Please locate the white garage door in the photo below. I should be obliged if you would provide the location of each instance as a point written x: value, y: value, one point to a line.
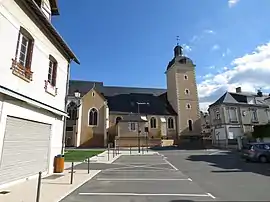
x: 25, y: 149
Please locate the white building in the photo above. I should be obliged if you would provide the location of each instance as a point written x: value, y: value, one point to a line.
x: 34, y: 76
x: 234, y: 114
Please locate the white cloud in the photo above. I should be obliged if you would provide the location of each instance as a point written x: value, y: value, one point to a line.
x: 199, y: 37
x: 250, y: 72
x: 215, y: 47
x: 209, y: 31
x: 227, y: 52
x: 186, y: 48
x: 232, y: 2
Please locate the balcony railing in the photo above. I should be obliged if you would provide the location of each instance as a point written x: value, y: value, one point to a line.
x: 21, y: 71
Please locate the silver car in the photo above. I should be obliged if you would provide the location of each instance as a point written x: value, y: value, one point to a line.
x: 256, y: 152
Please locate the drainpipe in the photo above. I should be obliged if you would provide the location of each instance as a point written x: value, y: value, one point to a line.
x: 65, y: 118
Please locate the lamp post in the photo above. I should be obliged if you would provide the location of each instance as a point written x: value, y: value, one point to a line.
x: 139, y: 142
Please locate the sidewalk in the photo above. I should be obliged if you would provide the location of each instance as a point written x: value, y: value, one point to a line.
x: 53, y: 190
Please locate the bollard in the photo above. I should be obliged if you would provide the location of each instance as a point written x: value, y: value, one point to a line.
x: 88, y: 165
x: 130, y: 149
x: 113, y: 152
x: 147, y: 144
x: 38, y: 186
x: 108, y: 152
x: 142, y: 149
x: 71, y: 177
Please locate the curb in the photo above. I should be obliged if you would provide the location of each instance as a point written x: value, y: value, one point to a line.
x: 90, y: 177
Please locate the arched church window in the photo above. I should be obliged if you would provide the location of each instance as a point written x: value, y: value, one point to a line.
x: 72, y: 111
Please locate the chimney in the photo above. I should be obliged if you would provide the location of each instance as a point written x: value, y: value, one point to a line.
x: 259, y: 93
x: 238, y: 90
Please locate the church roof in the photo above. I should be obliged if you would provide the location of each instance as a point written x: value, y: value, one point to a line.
x: 124, y: 99
x: 180, y: 60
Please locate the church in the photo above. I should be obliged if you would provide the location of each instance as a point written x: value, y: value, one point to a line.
x: 100, y: 114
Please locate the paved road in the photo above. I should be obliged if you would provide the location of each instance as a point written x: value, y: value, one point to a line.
x: 224, y: 174
x: 148, y: 178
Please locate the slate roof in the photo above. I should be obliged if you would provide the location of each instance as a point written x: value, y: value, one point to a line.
x: 48, y: 29
x: 131, y: 118
x: 124, y: 99
x: 238, y: 98
x: 181, y: 60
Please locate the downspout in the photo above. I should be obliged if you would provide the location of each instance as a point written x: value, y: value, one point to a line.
x: 65, y: 118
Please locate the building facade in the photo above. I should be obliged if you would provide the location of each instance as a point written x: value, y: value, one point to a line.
x: 233, y: 116
x: 100, y: 114
x: 33, y: 85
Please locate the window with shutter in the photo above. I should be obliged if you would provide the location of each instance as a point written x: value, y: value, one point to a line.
x: 52, y: 72
x: 21, y: 65
x: 153, y: 122
x: 170, y: 123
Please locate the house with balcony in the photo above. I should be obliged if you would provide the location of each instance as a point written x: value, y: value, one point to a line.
x: 234, y: 114
x: 35, y: 63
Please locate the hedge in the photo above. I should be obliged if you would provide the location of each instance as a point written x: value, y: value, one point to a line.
x: 261, y: 131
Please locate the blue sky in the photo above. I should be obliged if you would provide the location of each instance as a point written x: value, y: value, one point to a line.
x: 129, y: 43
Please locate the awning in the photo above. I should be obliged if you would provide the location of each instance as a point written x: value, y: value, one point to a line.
x: 163, y: 120
x: 31, y: 101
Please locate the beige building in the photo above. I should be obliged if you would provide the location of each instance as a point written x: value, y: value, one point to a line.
x: 100, y: 114
x: 234, y: 114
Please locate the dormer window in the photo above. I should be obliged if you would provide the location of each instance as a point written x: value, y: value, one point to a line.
x: 46, y: 8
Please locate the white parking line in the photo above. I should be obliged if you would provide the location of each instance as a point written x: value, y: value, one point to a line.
x: 152, y: 170
x: 143, y: 194
x: 211, y: 196
x: 217, y: 152
x: 142, y: 179
x: 170, y: 164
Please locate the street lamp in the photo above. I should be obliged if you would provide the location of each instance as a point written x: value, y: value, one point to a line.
x: 140, y: 103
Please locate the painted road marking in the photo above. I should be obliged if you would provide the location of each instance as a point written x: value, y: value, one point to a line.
x: 142, y: 179
x: 144, y: 194
x: 170, y: 164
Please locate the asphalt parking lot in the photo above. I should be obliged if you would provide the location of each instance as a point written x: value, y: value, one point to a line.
x: 176, y: 176
x: 224, y: 174
x: 144, y: 178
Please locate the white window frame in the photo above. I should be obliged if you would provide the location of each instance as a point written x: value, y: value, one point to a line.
x: 171, y: 118
x: 153, y: 118
x: 217, y: 115
x: 19, y: 49
x: 232, y: 111
x: 46, y: 8
x: 254, y: 115
x: 89, y: 119
x: 52, y: 70
x: 130, y: 124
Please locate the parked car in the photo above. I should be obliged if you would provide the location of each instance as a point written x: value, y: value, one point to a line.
x: 256, y: 152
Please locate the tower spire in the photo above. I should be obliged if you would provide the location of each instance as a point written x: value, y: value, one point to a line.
x: 178, y: 49
x: 177, y: 40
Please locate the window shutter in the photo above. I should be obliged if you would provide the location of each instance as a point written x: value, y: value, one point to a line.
x: 17, y: 47
x: 30, y: 54
x: 54, y: 73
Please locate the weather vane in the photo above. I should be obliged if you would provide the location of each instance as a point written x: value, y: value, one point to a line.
x: 177, y: 39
